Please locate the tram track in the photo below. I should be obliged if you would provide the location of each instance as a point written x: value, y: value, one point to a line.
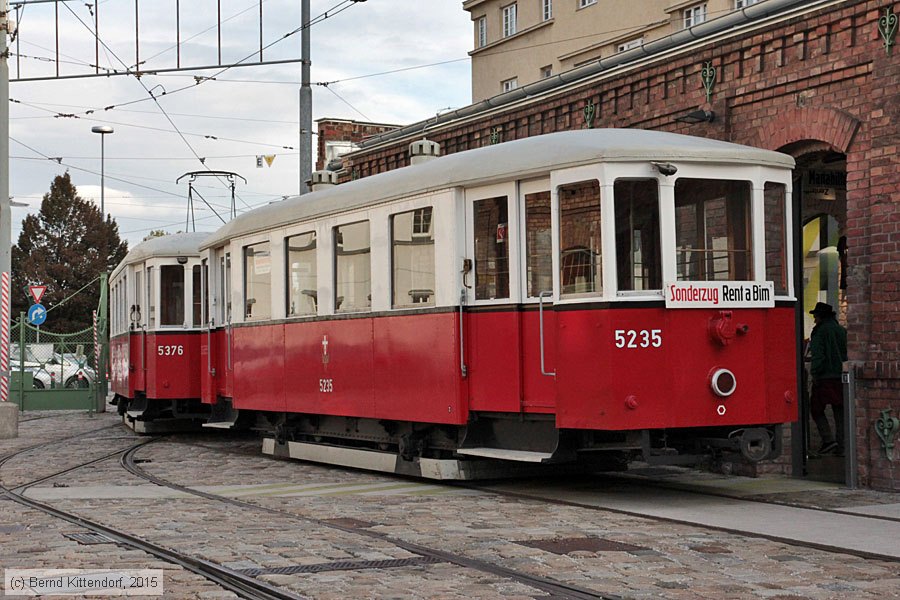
x: 830, y: 548
x: 242, y: 585
x: 556, y: 589
x: 638, y: 482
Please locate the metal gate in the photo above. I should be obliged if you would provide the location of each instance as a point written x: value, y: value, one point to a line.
x: 60, y: 371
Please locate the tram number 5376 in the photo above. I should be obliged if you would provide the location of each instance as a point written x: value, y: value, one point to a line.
x: 170, y: 350
x: 643, y: 338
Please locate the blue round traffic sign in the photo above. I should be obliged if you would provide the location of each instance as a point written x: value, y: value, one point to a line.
x: 37, y: 314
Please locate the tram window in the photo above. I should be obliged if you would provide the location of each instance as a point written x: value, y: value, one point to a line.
x: 712, y: 230
x: 579, y: 239
x: 353, y: 269
x: 134, y: 315
x: 257, y: 281
x: 204, y: 286
x: 638, y: 260
x: 491, y: 248
x: 538, y: 244
x: 412, y: 257
x: 171, y: 302
x: 776, y: 240
x: 301, y: 272
x: 151, y: 298
x: 197, y: 296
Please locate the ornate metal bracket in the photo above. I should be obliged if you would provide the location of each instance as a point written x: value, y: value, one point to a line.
x: 590, y: 111
x: 886, y: 428
x: 496, y: 135
x: 887, y: 27
x: 708, y: 75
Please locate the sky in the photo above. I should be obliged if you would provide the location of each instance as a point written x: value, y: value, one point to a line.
x: 242, y: 113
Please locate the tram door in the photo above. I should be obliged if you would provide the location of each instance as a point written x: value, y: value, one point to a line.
x: 502, y: 320
x: 138, y: 346
x: 218, y: 367
x: 537, y: 319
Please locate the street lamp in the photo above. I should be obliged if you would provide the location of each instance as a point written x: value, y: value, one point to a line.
x: 102, y: 130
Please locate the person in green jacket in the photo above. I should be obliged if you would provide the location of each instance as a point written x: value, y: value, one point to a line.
x: 828, y: 351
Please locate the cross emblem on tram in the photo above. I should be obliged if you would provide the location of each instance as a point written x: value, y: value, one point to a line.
x: 324, y: 349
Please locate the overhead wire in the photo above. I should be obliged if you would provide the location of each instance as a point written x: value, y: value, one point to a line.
x: 200, y: 80
x: 192, y: 115
x: 59, y: 161
x: 206, y: 136
x: 338, y: 8
x: 149, y: 92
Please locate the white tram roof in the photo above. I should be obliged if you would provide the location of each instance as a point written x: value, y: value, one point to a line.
x: 515, y: 159
x: 173, y: 245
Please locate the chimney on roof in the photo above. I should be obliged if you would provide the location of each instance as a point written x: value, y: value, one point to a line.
x: 320, y: 180
x: 422, y: 151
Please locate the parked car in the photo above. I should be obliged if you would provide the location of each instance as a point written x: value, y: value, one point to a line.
x: 52, y: 369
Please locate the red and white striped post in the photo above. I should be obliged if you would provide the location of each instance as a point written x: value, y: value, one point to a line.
x: 4, y: 336
x: 96, y: 347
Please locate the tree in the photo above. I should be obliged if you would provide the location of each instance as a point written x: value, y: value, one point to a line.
x: 155, y: 234
x: 66, y: 246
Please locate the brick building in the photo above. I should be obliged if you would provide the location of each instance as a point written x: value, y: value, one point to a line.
x: 817, y: 79
x: 337, y: 137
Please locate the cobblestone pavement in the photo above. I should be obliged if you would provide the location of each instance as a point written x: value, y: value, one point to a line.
x: 610, y: 553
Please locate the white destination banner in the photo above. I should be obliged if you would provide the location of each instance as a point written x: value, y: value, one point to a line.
x: 720, y: 294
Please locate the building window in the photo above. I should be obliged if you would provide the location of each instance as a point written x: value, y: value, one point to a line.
x: 712, y: 230
x: 491, y: 248
x: 171, y: 301
x: 302, y: 284
x: 583, y: 3
x: 257, y: 281
x: 353, y: 267
x: 631, y: 44
x: 546, y: 71
x: 546, y: 9
x: 638, y: 256
x: 509, y: 84
x: 694, y: 15
x: 580, y: 246
x: 744, y: 3
x: 509, y: 20
x: 412, y: 254
x: 481, y: 31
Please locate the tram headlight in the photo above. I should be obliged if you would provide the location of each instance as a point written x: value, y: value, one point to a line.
x: 723, y: 382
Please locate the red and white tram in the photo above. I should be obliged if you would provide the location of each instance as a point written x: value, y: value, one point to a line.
x: 577, y: 295
x: 155, y: 329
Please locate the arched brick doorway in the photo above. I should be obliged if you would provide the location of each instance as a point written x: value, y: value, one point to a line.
x: 820, y: 209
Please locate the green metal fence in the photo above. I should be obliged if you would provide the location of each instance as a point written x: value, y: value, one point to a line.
x: 60, y: 371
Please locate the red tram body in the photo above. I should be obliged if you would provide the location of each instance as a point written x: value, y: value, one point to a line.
x: 155, y: 341
x: 577, y: 295
x: 589, y: 296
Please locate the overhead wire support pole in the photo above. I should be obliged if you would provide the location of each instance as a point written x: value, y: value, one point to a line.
x: 96, y: 38
x: 137, y: 38
x: 5, y: 212
x: 305, y: 147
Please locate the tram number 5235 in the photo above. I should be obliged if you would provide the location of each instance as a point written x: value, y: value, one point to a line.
x: 644, y: 338
x: 326, y: 386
